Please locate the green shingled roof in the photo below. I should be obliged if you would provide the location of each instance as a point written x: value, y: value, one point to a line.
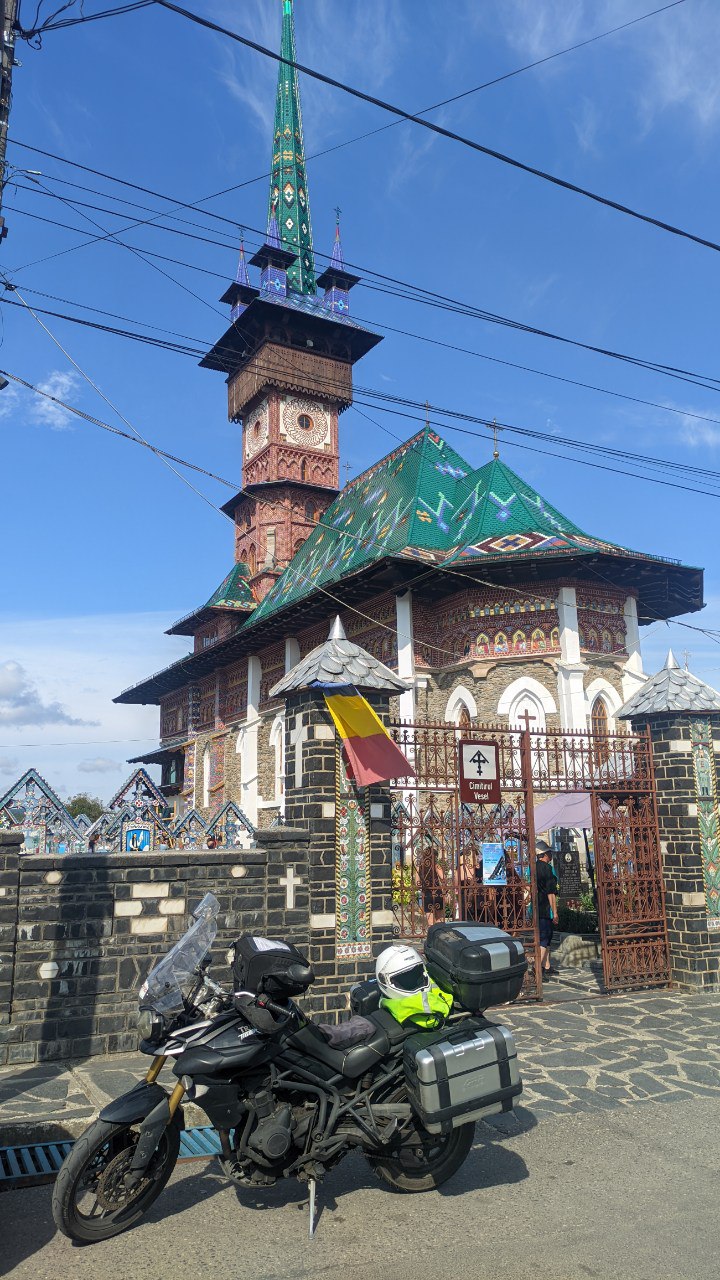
x: 234, y: 591
x: 423, y: 501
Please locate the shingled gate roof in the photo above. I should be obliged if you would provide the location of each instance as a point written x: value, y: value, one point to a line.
x: 338, y: 661
x: 671, y: 689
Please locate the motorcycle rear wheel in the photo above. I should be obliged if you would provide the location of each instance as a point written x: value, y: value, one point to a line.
x: 90, y: 1181
x: 426, y: 1161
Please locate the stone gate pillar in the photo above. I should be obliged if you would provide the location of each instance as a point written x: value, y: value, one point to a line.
x: 682, y: 714
x: 349, y: 865
x: 10, y: 843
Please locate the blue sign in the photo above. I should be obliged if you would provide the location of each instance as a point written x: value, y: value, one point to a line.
x: 493, y: 864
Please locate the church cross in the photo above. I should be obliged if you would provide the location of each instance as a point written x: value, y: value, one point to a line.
x: 495, y: 429
x: 337, y: 211
x: 347, y: 468
x: 527, y: 718
x: 291, y: 882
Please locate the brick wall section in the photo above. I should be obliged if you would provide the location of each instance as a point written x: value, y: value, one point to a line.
x: 89, y: 928
x: 694, y: 951
x: 312, y: 806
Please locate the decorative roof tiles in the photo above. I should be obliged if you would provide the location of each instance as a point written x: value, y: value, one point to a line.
x: 671, y: 689
x: 423, y: 501
x: 289, y: 202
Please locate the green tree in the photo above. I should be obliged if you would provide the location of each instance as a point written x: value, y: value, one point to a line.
x: 83, y: 803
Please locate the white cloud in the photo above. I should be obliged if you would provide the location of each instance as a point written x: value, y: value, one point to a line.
x: 692, y: 429
x: 64, y: 385
x: 22, y: 704
x: 83, y: 663
x: 585, y: 124
x: 9, y: 765
x: 9, y: 401
x: 99, y: 764
x: 361, y: 43
x: 681, y: 59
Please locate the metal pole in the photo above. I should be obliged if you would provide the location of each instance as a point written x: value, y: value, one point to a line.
x: 8, y: 10
x: 527, y: 781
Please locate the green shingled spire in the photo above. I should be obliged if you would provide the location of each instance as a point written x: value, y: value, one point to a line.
x: 289, y: 200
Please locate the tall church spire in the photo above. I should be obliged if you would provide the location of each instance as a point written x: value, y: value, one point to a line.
x: 289, y: 203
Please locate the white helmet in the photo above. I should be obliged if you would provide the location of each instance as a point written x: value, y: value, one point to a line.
x: 400, y: 972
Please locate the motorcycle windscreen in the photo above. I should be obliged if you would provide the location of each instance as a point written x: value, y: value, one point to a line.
x: 163, y: 988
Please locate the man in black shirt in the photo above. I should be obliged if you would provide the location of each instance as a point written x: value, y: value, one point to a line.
x: 547, y: 887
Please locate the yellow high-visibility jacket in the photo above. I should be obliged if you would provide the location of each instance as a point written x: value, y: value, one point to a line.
x: 427, y: 1009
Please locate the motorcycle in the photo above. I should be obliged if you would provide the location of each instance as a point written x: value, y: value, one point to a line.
x: 288, y: 1097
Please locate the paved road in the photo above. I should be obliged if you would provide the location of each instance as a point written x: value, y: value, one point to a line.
x: 627, y: 1194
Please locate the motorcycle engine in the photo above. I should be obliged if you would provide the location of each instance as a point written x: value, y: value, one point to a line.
x: 272, y: 1136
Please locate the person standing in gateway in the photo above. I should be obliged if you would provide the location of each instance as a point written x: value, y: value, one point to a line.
x: 547, y: 887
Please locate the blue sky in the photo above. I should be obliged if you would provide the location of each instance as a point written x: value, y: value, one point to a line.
x: 104, y: 547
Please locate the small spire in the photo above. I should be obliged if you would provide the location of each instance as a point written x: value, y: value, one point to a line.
x: 273, y: 231
x: 495, y: 429
x: 671, y: 663
x: 427, y: 415
x: 337, y: 630
x: 337, y: 259
x: 241, y: 276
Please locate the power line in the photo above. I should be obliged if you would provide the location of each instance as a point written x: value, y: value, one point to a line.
x: 359, y: 137
x: 450, y: 134
x: 417, y: 294
x: 641, y: 460
x: 361, y: 538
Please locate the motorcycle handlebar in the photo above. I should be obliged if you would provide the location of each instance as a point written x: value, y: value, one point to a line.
x: 281, y: 1012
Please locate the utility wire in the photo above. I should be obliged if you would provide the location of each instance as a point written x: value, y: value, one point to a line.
x: 639, y: 460
x: 450, y: 134
x: 443, y: 303
x: 361, y: 538
x: 369, y: 133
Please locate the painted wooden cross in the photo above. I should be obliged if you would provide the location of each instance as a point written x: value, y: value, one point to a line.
x: 526, y: 717
x: 291, y: 883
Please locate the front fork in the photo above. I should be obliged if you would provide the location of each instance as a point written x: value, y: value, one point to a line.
x: 154, y: 1124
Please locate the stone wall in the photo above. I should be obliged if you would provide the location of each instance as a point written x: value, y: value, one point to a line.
x: 79, y: 933
x: 694, y: 949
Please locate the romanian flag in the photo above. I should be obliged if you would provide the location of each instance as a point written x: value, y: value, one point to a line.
x: 370, y: 751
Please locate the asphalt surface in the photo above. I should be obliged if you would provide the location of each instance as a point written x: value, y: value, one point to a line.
x: 624, y: 1194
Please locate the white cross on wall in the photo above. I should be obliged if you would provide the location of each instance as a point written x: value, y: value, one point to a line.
x: 291, y: 882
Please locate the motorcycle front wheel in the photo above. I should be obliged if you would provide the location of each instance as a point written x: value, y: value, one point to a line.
x: 90, y: 1200
x: 424, y: 1160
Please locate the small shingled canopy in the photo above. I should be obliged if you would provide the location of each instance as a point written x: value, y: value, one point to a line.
x: 671, y: 689
x: 338, y: 661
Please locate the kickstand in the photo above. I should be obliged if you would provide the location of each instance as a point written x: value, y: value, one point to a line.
x: 311, y: 1206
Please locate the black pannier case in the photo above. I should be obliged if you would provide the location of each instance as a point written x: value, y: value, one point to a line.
x: 457, y: 1075
x: 268, y: 967
x: 479, y: 965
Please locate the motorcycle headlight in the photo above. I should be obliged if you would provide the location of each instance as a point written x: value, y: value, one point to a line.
x: 147, y: 1024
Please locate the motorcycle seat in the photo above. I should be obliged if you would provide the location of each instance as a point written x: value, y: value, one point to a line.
x: 350, y: 1061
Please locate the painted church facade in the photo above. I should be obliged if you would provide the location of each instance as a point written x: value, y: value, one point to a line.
x: 484, y: 597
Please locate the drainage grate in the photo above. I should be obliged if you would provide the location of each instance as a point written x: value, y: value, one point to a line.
x: 40, y: 1161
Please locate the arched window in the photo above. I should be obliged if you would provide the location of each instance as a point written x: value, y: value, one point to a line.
x: 309, y: 511
x: 464, y: 721
x: 299, y: 542
x: 252, y: 559
x: 599, y: 722
x: 465, y: 646
x: 206, y: 777
x: 599, y: 716
x: 303, y: 470
x: 527, y: 703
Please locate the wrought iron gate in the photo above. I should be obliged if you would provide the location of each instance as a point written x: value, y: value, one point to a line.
x: 437, y: 840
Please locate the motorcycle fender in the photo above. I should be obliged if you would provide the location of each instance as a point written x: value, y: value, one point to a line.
x: 137, y: 1104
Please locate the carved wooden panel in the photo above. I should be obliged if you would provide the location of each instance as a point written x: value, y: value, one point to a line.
x: 290, y: 370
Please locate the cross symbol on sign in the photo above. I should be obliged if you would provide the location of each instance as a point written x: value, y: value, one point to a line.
x: 291, y: 882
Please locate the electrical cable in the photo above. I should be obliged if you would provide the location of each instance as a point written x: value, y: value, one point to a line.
x: 635, y: 459
x: 443, y: 303
x: 440, y: 130
x: 364, y: 539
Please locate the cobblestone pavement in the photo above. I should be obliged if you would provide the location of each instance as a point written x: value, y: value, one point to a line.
x: 614, y: 1052
x: 585, y: 1054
